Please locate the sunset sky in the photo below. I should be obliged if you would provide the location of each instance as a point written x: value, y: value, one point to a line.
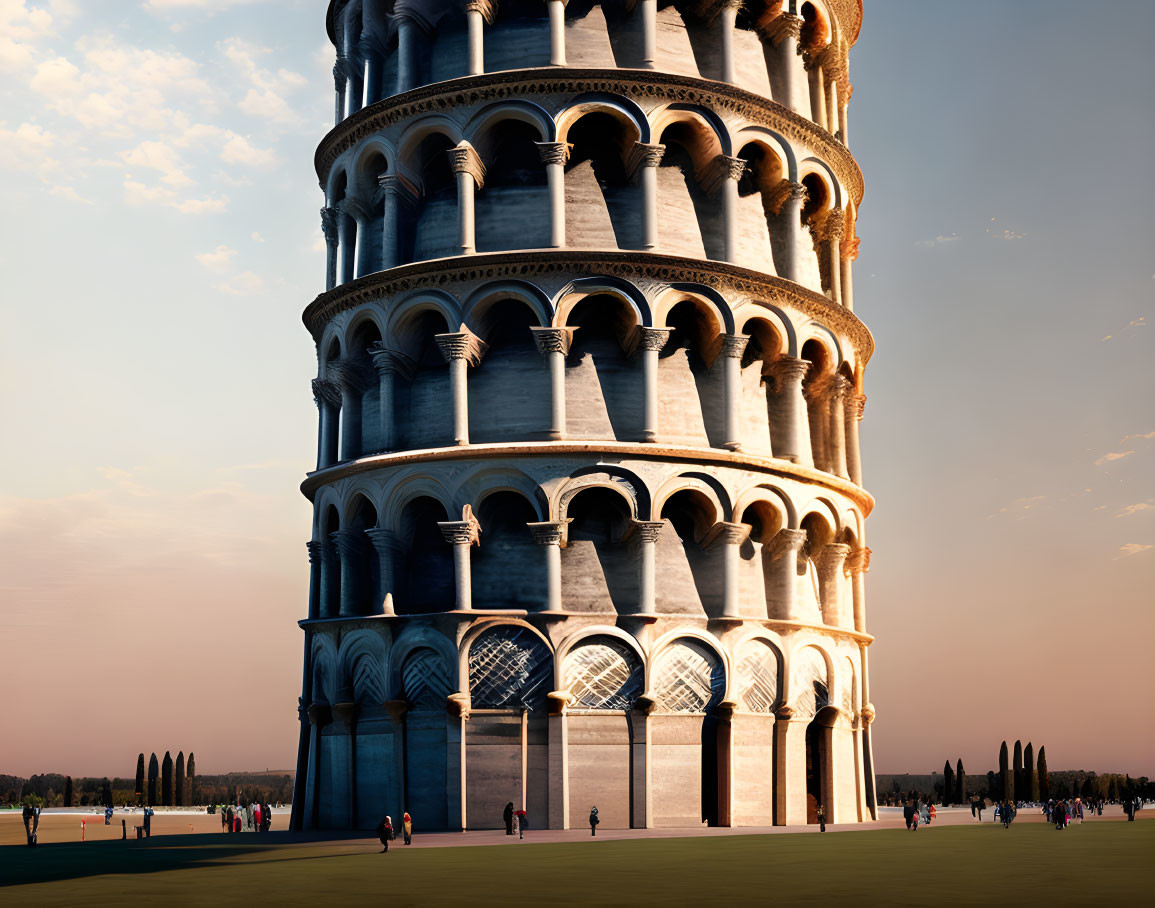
x: 161, y: 237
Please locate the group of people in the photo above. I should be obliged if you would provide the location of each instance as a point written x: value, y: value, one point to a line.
x: 516, y: 822
x: 1006, y: 812
x: 257, y: 817
x: 915, y: 812
x: 386, y: 834
x: 1061, y: 812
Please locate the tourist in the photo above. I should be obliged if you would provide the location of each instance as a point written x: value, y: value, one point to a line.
x: 267, y: 815
x: 522, y: 823
x: 385, y: 832
x: 257, y: 817
x: 1048, y: 809
x: 1058, y: 814
x: 974, y: 804
x: 227, y: 814
x: 507, y: 815
x: 914, y: 817
x: 224, y: 819
x: 981, y: 802
x: 516, y: 824
x: 907, y: 813
x: 924, y: 815
x: 1008, y: 814
x: 148, y: 811
x: 407, y: 827
x: 29, y: 827
x: 594, y: 821
x: 933, y: 815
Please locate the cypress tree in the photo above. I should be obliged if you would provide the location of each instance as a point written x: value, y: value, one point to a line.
x: 992, y: 785
x: 192, y: 778
x: 178, y: 781
x: 68, y: 792
x: 947, y: 784
x: 1044, y: 781
x: 166, y: 780
x: 153, y: 770
x: 1029, y: 769
x: 1008, y: 792
x: 1018, y: 769
x: 106, y: 793
x: 140, y: 779
x: 960, y: 781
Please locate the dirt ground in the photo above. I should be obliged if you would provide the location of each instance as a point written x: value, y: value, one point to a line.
x: 65, y: 827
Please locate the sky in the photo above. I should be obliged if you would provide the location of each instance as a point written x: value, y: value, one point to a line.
x: 161, y: 238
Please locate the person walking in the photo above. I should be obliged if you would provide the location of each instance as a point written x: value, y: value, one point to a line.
x: 385, y: 832
x: 224, y: 819
x: 980, y: 810
x: 407, y: 827
x: 148, y: 821
x: 257, y: 817
x: 507, y: 815
x: 594, y: 820
x: 907, y: 813
x: 520, y: 822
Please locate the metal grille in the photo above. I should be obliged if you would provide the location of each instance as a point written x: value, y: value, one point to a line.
x: 603, y: 674
x: 758, y: 677
x: 688, y: 679
x: 426, y: 681
x: 509, y: 668
x: 810, y: 683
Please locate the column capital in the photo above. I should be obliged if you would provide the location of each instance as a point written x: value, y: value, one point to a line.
x: 553, y: 340
x: 346, y: 713
x: 550, y: 532
x: 349, y: 374
x: 734, y: 345
x: 340, y: 72
x: 786, y: 191
x: 558, y: 700
x: 458, y: 705
x: 833, y: 224
x: 855, y: 404
x: 396, y: 709
x: 784, y: 712
x: 788, y: 369
x: 461, y: 345
x: 408, y: 13
x: 487, y: 9
x: 838, y: 390
x: 554, y: 152
x: 652, y: 339
x: 781, y: 27
x: 349, y: 543
x: 390, y: 362
x: 314, y: 546
x: 726, y: 533
x: 392, y: 184
x: 384, y: 541
x: 644, y: 155
x: 325, y: 391
x: 721, y: 168
x: 464, y: 158
x: 645, y: 531
x: 355, y: 209
x: 329, y: 225
x: 858, y: 561
x: 831, y: 558
x: 461, y: 532
x: 784, y: 542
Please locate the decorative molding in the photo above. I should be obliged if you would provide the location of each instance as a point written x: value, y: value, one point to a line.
x: 734, y: 345
x: 325, y: 391
x: 554, y: 152
x: 720, y: 169
x: 645, y: 531
x: 391, y: 362
x: 550, y: 532
x: 464, y: 158
x: 461, y: 345
x: 553, y: 340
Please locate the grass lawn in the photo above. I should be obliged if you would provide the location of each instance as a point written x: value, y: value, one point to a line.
x: 1100, y: 863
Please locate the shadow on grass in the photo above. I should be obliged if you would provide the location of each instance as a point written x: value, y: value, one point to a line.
x: 20, y: 865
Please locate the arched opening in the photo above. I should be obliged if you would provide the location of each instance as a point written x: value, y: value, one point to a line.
x: 346, y: 230
x: 512, y: 210
x: 688, y: 680
x: 599, y: 375
x: 689, y: 222
x: 815, y: 388
x: 425, y: 579
x: 758, y: 669
x: 421, y: 395
x: 604, y: 677
x: 598, y: 567
x: 764, y: 412
x: 762, y: 234
x: 359, y: 369
x: 761, y: 583
x: 507, y: 736
x: 426, y: 683
x: 815, y: 210
x: 819, y: 534
x: 691, y: 401
x: 362, y: 562
x: 508, y: 569
x: 509, y: 390
x: 812, y: 701
x: 331, y: 564
x: 815, y: 35
x: 435, y: 233
x: 688, y: 576
x: 603, y: 208
x: 371, y: 240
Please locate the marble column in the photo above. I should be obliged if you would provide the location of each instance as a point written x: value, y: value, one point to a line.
x: 363, y: 251
x: 830, y: 564
x: 783, y: 32
x: 554, y: 344
x: 330, y: 586
x: 347, y: 245
x: 351, y: 377
x: 729, y: 537
x: 462, y: 535
x: 858, y: 563
x: 550, y: 535
x: 332, y: 240
x: 388, y: 363
x: 855, y: 403
x: 461, y: 350
x: 328, y: 398
x: 409, y: 28
x: 721, y: 179
x: 836, y: 396
x: 833, y: 226
x: 733, y: 346
x: 558, y: 743
x: 314, y: 548
x: 396, y: 203
x: 646, y: 532
x: 780, y: 560
x: 817, y: 92
x: 478, y: 14
x: 556, y: 32
x: 791, y: 438
x: 339, y: 79
x: 787, y: 204
x: 464, y: 161
x: 643, y: 165
x: 554, y: 155
x: 849, y: 252
x: 727, y: 24
x: 388, y: 548
x: 354, y: 65
x: 649, y: 12
x: 351, y: 548
x: 814, y: 391
x: 650, y: 342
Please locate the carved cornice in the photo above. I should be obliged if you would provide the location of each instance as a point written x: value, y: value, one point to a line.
x: 550, y: 532
x: 729, y: 280
x: 461, y: 532
x: 729, y: 101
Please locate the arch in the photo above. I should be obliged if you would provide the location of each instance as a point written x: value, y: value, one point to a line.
x: 416, y: 133
x: 707, y: 485
x: 848, y: 693
x: 364, y: 317
x: 330, y: 348
x: 509, y: 665
x: 817, y: 168
x: 759, y: 666
x: 416, y: 637
x: 622, y: 109
x: 486, y: 481
x: 687, y: 675
x: 619, y: 480
x: 715, y: 135
x: 811, y: 673
x: 575, y: 292
x: 425, y: 678
x: 409, y: 487
x: 602, y: 671
x: 814, y: 333
x: 406, y: 312
x: 774, y: 497
x: 323, y: 669
x: 720, y: 308
x: 477, y: 129
x: 480, y: 301
x: 337, y: 185
x: 507, y: 569
x: 774, y: 142
x: 362, y: 667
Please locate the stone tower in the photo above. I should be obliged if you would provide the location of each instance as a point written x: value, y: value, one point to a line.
x: 588, y: 505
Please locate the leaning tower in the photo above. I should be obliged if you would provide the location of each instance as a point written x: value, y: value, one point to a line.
x: 588, y: 504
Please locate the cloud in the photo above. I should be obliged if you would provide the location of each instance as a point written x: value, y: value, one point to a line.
x: 1020, y: 504
x: 243, y: 284
x: 257, y: 238
x: 210, y: 6
x: 1112, y: 456
x: 68, y: 192
x: 266, y: 96
x: 1148, y: 505
x: 20, y: 28
x: 214, y: 204
x: 937, y: 241
x: 137, y: 193
x: 161, y: 157
x: 26, y: 148
x: 1009, y: 235
x: 1131, y: 548
x: 219, y: 260
x: 238, y: 150
x: 1147, y: 435
x: 1140, y: 322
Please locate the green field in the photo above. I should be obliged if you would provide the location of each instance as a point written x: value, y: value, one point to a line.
x: 1100, y: 863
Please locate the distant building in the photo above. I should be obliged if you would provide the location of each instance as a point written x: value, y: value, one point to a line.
x: 589, y: 515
